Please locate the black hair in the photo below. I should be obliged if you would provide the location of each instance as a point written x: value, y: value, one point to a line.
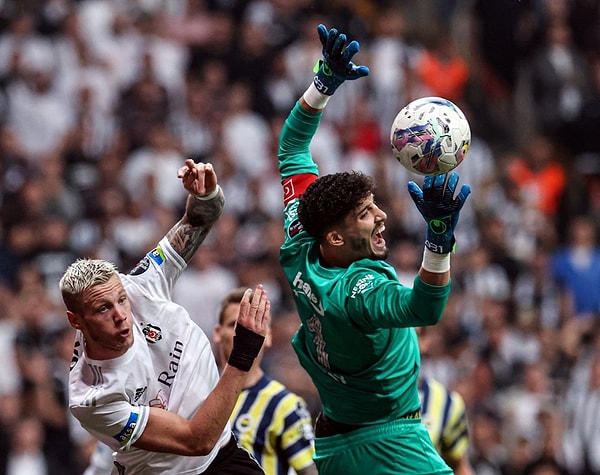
x: 330, y: 198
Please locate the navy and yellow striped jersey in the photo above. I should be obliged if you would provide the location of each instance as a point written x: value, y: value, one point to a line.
x: 275, y: 426
x: 443, y: 412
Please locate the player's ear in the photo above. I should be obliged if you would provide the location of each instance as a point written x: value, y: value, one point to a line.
x: 74, y: 320
x: 217, y: 334
x: 334, y: 238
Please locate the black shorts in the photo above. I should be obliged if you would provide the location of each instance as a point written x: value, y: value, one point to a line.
x: 233, y: 460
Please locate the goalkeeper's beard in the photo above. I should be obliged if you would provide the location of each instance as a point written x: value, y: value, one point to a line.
x: 364, y: 247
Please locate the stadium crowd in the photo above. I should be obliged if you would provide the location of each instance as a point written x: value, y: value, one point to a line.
x: 101, y: 99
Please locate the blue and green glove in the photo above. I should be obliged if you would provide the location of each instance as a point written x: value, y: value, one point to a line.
x: 336, y: 65
x: 439, y: 207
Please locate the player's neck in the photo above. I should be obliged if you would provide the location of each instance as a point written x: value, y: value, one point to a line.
x: 328, y: 258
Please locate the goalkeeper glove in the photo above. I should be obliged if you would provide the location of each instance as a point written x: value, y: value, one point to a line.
x: 336, y: 65
x: 437, y: 205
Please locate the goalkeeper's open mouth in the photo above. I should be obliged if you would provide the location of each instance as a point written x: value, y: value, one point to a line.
x: 377, y: 240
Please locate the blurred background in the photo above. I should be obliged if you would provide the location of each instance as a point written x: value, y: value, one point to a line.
x: 102, y: 100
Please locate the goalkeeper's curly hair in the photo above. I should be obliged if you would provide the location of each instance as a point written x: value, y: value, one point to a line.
x: 329, y: 199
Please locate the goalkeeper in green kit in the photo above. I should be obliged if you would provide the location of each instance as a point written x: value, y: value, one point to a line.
x: 357, y: 339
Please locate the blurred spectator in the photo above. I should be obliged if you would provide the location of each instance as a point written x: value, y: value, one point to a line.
x: 535, y: 293
x: 498, y: 244
x: 196, y: 123
x: 203, y: 285
x: 507, y: 349
x: 539, y: 175
x: 488, y: 455
x: 482, y: 281
x: 53, y: 252
x: 48, y: 378
x: 299, y: 56
x: 392, y: 64
x: 143, y: 174
x: 246, y: 134
x: 503, y: 34
x: 10, y: 413
x: 404, y: 256
x: 560, y: 82
x: 144, y: 106
x: 280, y: 19
x: 37, y: 113
x: 523, y: 404
x: 442, y: 71
x: 481, y: 172
x: 250, y: 64
x: 26, y: 456
x: 576, y: 270
x: 582, y: 406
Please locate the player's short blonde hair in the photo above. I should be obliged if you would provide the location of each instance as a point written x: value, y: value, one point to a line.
x: 80, y: 276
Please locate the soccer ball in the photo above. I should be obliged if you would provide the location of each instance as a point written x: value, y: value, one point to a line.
x: 430, y: 136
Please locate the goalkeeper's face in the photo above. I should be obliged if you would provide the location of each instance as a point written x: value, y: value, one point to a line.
x: 362, y: 232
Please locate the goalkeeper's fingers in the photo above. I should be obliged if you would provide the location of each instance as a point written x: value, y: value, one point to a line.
x: 357, y: 72
x: 323, y: 34
x: 463, y: 194
x: 332, y: 37
x: 451, y: 185
x: 416, y: 194
x: 352, y: 48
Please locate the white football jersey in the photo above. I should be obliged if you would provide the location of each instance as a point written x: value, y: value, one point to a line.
x: 169, y: 365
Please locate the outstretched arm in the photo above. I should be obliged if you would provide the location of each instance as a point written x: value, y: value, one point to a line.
x: 295, y: 161
x: 169, y: 432
x: 203, y: 207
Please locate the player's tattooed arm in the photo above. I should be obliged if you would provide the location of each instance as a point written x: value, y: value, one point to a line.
x: 200, y: 215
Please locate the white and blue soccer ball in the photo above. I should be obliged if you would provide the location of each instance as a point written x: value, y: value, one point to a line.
x: 430, y: 136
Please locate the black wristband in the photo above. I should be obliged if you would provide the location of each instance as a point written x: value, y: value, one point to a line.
x: 246, y: 346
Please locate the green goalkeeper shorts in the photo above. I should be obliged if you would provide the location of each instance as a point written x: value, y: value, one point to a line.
x: 399, y: 447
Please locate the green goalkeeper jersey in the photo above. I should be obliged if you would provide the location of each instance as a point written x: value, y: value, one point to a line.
x: 356, y: 338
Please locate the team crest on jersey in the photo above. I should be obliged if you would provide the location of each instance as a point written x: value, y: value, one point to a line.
x: 141, y: 266
x: 244, y: 422
x: 151, y: 332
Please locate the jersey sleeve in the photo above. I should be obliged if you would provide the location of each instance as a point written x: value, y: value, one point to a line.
x: 296, y: 165
x: 297, y: 436
x: 455, y: 437
x: 117, y: 424
x: 294, y: 142
x: 157, y: 272
x: 376, y: 299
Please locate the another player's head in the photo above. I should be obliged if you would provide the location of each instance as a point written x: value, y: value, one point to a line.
x: 225, y: 329
x: 98, y: 306
x: 339, y: 210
